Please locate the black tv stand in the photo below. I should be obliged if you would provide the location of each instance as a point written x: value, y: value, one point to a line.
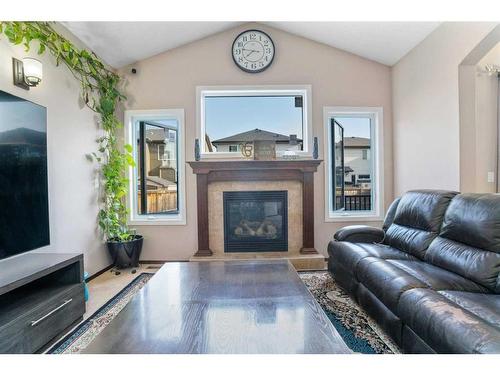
x: 41, y: 297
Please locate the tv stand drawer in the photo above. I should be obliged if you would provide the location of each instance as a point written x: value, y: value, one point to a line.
x: 43, y: 322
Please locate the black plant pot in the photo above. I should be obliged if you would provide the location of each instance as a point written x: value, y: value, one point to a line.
x: 125, y: 253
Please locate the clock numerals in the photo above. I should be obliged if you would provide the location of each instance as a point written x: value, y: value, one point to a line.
x: 253, y: 51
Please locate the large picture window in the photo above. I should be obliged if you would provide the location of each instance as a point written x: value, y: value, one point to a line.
x: 157, y: 180
x: 353, y: 163
x: 231, y: 117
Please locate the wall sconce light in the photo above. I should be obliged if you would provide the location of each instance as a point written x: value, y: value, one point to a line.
x: 27, y: 73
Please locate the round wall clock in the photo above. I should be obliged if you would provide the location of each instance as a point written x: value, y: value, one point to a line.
x: 253, y: 51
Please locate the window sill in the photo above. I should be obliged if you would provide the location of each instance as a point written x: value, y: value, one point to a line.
x: 336, y: 218
x: 175, y: 220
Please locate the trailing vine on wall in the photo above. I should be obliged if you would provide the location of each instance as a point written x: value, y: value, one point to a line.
x: 100, y: 93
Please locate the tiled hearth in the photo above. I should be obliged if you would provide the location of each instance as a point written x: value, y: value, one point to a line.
x: 293, y: 177
x: 301, y: 262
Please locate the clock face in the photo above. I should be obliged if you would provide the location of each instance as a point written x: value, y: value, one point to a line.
x: 253, y: 51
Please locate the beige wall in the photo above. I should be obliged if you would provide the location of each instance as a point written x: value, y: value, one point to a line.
x: 71, y: 134
x: 426, y: 108
x: 487, y: 122
x: 486, y: 131
x: 478, y: 93
x: 338, y: 78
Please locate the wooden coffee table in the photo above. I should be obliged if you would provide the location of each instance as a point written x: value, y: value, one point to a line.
x: 221, y: 307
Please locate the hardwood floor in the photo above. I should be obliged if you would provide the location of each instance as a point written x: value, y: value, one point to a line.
x: 221, y: 307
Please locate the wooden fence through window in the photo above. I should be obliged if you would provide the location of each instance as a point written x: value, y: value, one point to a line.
x: 159, y: 201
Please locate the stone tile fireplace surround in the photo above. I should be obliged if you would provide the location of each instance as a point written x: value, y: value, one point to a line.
x: 295, y: 177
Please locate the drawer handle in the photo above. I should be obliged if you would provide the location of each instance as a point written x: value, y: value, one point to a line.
x: 35, y: 322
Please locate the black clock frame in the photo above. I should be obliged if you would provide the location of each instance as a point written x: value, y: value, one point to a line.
x: 249, y: 70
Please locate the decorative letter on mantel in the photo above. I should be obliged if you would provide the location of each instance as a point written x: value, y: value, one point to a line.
x: 244, y: 170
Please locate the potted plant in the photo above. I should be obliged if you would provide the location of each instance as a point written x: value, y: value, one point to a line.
x: 100, y: 93
x: 123, y: 244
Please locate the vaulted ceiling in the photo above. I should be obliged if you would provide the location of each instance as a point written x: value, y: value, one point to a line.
x: 123, y: 43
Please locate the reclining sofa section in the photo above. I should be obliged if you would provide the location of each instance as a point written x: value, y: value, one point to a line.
x: 430, y: 276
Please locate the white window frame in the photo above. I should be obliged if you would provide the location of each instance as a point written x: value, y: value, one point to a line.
x: 377, y: 160
x: 203, y: 92
x: 132, y: 117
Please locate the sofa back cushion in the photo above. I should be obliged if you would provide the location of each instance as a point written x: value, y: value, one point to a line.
x: 469, y: 241
x: 418, y: 220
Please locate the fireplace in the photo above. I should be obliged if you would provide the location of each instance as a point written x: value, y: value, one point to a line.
x: 255, y: 221
x: 233, y: 175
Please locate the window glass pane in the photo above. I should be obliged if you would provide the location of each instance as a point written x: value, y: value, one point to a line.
x: 353, y: 178
x: 234, y: 120
x: 338, y: 165
x: 157, y: 167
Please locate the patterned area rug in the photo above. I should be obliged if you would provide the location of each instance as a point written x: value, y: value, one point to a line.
x: 81, y: 336
x: 358, y: 330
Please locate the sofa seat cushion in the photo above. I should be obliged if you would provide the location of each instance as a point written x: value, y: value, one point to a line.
x: 485, y: 306
x: 388, y: 279
x: 445, y: 326
x: 348, y: 255
x: 437, y: 278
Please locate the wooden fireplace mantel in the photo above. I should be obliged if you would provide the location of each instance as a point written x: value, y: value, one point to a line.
x: 255, y: 170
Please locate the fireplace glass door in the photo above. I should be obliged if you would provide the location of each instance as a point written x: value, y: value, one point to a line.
x: 255, y: 221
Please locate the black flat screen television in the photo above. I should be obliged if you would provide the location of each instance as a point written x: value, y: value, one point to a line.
x: 24, y: 201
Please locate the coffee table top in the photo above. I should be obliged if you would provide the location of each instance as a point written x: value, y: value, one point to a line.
x: 221, y: 307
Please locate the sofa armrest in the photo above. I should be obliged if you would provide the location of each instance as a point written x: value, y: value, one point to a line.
x: 360, y: 233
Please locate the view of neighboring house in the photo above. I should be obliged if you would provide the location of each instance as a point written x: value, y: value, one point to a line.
x: 353, y: 189
x: 233, y: 143
x: 160, y: 170
x: 160, y: 158
x: 357, y: 162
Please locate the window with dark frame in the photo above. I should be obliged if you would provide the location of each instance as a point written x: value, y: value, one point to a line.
x: 158, y: 169
x: 338, y: 173
x: 351, y: 167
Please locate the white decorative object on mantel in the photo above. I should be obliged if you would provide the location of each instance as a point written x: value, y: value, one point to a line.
x: 290, y: 155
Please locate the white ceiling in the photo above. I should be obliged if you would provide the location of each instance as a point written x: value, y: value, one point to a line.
x: 123, y: 43
x: 385, y: 42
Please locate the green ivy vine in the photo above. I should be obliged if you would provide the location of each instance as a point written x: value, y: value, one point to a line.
x: 100, y: 93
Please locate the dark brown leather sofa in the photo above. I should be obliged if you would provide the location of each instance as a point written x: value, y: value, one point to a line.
x: 430, y: 276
